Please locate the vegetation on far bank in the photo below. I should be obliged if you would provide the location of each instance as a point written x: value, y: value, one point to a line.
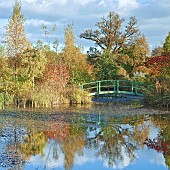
x: 40, y: 75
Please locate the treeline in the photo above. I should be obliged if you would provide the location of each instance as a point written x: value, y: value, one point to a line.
x: 39, y: 75
x: 36, y: 75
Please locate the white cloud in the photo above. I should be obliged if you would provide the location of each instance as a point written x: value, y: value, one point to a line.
x: 102, y: 3
x: 48, y: 160
x: 127, y: 4
x: 126, y: 7
x: 147, y: 156
x: 35, y: 22
x: 31, y: 1
x: 6, y: 4
x: 83, y: 2
x: 152, y: 156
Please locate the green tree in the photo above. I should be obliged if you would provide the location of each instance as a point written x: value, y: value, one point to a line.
x: 123, y: 64
x: 33, y: 66
x: 107, y: 68
x: 5, y: 78
x: 166, y: 45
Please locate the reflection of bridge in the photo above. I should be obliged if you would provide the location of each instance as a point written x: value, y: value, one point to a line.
x: 116, y: 87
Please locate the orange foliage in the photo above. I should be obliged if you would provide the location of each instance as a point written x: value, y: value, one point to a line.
x: 58, y: 131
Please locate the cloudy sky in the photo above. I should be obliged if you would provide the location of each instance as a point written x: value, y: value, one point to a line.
x: 153, y: 16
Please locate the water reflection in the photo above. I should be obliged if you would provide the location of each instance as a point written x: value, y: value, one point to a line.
x: 161, y: 143
x: 51, y: 142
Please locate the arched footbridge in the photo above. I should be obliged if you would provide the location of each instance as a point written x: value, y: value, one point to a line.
x: 116, y: 87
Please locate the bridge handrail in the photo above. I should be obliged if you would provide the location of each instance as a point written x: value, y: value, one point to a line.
x: 116, y: 85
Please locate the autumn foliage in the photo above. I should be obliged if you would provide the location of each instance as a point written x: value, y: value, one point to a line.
x: 57, y: 74
x: 37, y: 75
x: 158, y: 62
x: 58, y: 131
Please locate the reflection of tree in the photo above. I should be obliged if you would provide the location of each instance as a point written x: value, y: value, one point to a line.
x: 73, y: 145
x: 162, y: 142
x: 119, y: 139
x: 58, y: 132
x: 33, y: 144
x: 11, y: 157
x: 115, y: 140
x: 71, y: 139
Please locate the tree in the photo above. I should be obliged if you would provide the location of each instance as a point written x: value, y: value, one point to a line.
x: 3, y: 65
x: 123, y: 64
x: 74, y: 59
x: 56, y: 78
x: 166, y: 46
x: 157, y: 51
x: 5, y: 77
x: 93, y: 55
x: 109, y: 35
x: 15, y: 38
x: 33, y: 65
x: 57, y: 75
x: 107, y: 68
x: 141, y: 51
x: 137, y: 54
x: 48, y: 32
x: 160, y: 71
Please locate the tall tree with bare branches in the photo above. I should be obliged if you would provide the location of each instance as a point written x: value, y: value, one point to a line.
x: 110, y: 36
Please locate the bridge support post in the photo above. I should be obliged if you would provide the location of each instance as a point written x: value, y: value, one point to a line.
x: 117, y: 86
x: 132, y: 88
x: 81, y: 86
x: 98, y: 87
x: 136, y: 90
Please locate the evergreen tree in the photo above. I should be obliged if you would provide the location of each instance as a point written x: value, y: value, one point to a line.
x: 166, y: 46
x: 108, y: 68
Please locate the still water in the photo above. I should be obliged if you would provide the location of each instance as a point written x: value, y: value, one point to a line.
x: 102, y: 137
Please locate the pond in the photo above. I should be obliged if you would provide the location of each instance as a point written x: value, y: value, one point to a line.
x: 101, y: 137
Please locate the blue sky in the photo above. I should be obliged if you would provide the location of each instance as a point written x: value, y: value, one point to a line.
x: 153, y: 16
